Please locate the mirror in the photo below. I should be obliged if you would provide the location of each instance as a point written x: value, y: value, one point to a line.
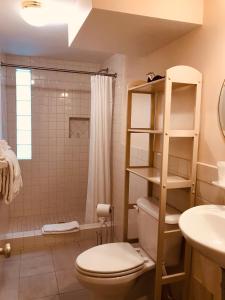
x: 222, y: 108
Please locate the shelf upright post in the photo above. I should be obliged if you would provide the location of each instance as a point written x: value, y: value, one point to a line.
x: 188, y: 249
x: 163, y: 187
x: 127, y: 164
x: 151, y: 140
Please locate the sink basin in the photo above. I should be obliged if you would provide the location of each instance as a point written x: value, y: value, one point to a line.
x: 204, y: 228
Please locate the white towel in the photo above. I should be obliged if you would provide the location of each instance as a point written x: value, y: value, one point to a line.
x: 4, y: 146
x: 61, y: 227
x: 11, y: 178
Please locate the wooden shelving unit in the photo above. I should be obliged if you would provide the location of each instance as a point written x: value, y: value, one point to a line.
x: 176, y: 78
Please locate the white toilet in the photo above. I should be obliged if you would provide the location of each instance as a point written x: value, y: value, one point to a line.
x: 109, y: 271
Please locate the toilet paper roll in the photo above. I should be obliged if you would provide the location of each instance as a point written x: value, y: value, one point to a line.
x: 103, y: 210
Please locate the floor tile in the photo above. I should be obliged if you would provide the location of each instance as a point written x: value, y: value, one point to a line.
x: 8, y: 283
x: 55, y: 297
x: 78, y: 295
x: 64, y: 257
x: 32, y: 254
x: 46, y: 274
x: 10, y: 269
x: 9, y: 294
x: 13, y: 257
x: 67, y: 281
x: 36, y: 265
x: 38, y: 286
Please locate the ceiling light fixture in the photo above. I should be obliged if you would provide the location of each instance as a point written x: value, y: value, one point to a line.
x: 46, y: 12
x: 34, y: 13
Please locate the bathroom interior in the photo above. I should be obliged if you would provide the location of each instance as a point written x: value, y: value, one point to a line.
x: 112, y: 150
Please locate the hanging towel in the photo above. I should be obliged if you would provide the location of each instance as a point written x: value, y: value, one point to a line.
x: 4, y: 146
x: 11, y: 180
x: 61, y: 228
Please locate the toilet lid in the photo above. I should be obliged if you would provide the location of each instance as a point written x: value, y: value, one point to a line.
x: 110, y: 258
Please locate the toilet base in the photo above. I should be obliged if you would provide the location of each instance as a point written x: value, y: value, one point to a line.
x: 100, y: 297
x: 141, y: 287
x: 107, y: 288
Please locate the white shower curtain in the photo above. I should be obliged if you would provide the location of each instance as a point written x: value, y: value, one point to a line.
x: 99, y: 187
x: 1, y: 107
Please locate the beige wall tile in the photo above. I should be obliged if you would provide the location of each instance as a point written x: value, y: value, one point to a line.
x: 55, y: 97
x: 67, y: 281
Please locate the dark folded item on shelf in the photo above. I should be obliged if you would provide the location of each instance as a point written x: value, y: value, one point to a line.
x: 156, y: 77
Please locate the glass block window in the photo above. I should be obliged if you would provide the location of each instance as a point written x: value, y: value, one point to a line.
x: 23, y: 113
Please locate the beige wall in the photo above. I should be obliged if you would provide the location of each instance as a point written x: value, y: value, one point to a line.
x: 179, y: 10
x: 117, y: 63
x: 204, y: 49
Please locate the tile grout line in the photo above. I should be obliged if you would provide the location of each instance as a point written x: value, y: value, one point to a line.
x: 54, y: 271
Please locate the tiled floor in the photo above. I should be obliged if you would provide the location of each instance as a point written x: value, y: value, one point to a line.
x: 43, y: 275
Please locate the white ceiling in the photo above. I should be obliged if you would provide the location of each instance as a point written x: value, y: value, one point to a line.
x: 17, y: 37
x: 117, y: 32
x: 103, y: 34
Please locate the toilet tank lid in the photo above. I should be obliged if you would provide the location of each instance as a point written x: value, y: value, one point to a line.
x: 151, y: 207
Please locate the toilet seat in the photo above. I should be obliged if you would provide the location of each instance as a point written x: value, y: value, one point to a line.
x: 112, y: 260
x: 109, y: 275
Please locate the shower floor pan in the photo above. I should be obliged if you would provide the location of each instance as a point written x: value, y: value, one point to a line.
x: 25, y: 232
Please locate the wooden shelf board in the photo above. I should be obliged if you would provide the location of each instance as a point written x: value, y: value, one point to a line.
x: 172, y: 233
x: 173, y: 278
x: 182, y: 133
x: 144, y: 130
x: 155, y: 86
x: 171, y: 133
x: 153, y: 175
x: 149, y: 87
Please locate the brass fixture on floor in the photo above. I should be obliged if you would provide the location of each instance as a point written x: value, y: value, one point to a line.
x: 6, y: 250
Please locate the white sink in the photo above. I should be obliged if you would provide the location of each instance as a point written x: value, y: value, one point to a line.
x: 204, y: 228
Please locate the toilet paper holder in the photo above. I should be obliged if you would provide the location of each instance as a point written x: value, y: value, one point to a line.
x: 105, y: 216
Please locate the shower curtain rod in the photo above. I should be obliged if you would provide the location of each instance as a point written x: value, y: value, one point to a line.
x: 114, y: 75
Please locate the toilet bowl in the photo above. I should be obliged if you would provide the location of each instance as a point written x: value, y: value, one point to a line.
x: 109, y: 271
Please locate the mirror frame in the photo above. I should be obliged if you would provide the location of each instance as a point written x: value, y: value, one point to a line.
x: 219, y: 105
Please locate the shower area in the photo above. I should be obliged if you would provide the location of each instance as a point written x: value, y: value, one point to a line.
x: 55, y: 178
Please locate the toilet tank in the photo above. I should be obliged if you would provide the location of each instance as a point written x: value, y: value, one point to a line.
x: 148, y: 212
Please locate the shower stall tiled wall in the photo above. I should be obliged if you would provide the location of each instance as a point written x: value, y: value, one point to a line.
x: 55, y: 180
x: 4, y: 212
